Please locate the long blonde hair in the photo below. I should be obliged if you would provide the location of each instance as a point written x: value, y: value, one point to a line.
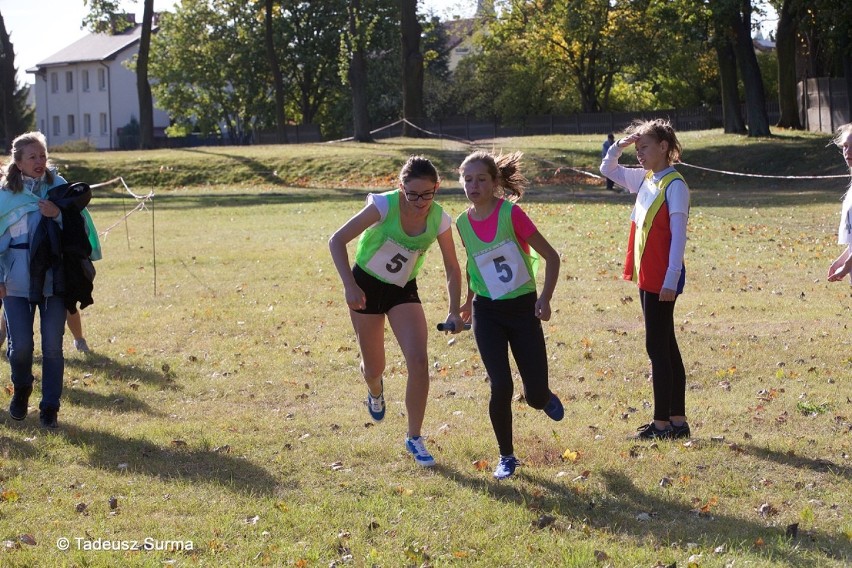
x: 504, y: 169
x: 662, y: 131
x: 12, y: 177
x: 842, y: 133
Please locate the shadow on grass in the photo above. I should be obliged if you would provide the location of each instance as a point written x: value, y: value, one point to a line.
x: 670, y: 520
x: 118, y: 403
x: 117, y: 371
x: 112, y: 453
x: 797, y: 461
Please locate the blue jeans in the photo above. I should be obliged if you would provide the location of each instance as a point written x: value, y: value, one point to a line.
x: 20, y: 315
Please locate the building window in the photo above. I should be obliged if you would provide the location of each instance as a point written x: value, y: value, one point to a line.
x: 85, y: 80
x: 102, y: 79
x: 87, y: 124
x: 56, y: 126
x: 103, y: 123
x: 69, y: 81
x: 70, y: 125
x: 54, y: 83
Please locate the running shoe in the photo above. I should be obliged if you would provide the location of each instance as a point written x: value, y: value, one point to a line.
x: 506, y: 467
x: 650, y: 432
x: 376, y: 404
x: 554, y: 408
x: 417, y: 448
x: 681, y: 431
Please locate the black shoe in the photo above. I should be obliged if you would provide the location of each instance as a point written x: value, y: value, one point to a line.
x: 650, y: 432
x: 681, y: 431
x: 48, y: 417
x: 20, y: 402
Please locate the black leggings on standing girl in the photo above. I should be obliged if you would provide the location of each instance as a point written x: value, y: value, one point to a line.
x: 498, y: 325
x: 668, y: 373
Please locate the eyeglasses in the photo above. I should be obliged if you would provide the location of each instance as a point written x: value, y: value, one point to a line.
x: 428, y: 196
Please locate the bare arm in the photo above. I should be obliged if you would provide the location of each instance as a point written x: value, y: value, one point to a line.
x: 551, y: 273
x: 841, y: 266
x: 453, y: 270
x: 369, y: 215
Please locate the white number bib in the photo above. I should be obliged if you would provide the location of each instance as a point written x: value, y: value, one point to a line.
x: 393, y: 263
x: 503, y: 269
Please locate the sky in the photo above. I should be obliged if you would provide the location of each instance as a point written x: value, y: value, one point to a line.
x: 40, y: 28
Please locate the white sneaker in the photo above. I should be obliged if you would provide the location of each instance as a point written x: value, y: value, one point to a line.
x: 417, y: 448
x: 81, y: 345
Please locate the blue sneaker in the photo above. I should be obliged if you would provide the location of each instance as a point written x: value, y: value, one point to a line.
x: 376, y: 404
x: 554, y: 408
x: 506, y: 467
x: 417, y: 448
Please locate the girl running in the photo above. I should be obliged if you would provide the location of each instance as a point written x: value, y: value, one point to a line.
x: 396, y: 228
x: 501, y: 244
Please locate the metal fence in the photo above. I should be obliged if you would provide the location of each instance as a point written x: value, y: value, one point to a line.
x: 824, y: 104
x: 467, y: 128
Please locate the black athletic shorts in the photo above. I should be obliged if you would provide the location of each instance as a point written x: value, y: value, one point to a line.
x: 381, y: 296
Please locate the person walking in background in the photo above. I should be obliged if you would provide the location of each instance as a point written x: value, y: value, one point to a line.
x: 24, y: 185
x: 843, y: 264
x: 610, y: 140
x: 502, y: 246
x: 655, y: 252
x: 396, y: 228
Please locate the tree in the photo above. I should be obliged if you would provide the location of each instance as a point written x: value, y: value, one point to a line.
x: 786, y: 39
x: 210, y: 70
x: 277, y: 78
x: 723, y: 43
x: 103, y: 17
x: 355, y: 44
x: 755, y: 97
x: 412, y: 66
x: 577, y: 34
x: 311, y: 33
x: 15, y: 116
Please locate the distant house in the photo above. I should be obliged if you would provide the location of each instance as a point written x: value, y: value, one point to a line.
x: 86, y: 91
x: 459, y: 40
x: 460, y: 32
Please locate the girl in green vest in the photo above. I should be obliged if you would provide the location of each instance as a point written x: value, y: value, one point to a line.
x: 501, y: 244
x: 396, y: 228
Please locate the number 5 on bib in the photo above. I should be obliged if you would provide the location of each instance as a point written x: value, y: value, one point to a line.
x: 503, y: 269
x: 393, y: 263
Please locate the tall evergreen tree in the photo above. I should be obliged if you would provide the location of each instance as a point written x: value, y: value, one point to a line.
x: 16, y: 117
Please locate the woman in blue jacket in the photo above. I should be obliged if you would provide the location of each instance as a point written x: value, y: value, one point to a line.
x: 24, y: 184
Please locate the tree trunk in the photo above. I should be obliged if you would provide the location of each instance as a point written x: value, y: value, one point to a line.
x: 756, y: 117
x: 412, y: 67
x: 8, y: 82
x: 785, y: 47
x: 143, y: 87
x: 277, y: 78
x: 732, y: 117
x: 358, y: 74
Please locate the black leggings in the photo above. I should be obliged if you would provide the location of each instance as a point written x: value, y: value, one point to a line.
x: 498, y: 325
x: 668, y: 374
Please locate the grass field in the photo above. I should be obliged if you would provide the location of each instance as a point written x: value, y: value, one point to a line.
x: 221, y: 415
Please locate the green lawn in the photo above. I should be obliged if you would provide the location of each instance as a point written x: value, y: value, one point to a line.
x: 223, y: 409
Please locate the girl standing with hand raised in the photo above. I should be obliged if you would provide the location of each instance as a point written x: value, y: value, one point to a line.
x: 501, y: 244
x: 655, y: 252
x: 396, y: 228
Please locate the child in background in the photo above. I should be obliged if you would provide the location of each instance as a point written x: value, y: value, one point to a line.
x: 843, y: 264
x: 655, y: 250
x: 610, y: 140
x: 396, y: 228
x: 505, y: 310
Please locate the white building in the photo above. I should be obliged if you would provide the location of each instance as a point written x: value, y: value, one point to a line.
x: 86, y: 91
